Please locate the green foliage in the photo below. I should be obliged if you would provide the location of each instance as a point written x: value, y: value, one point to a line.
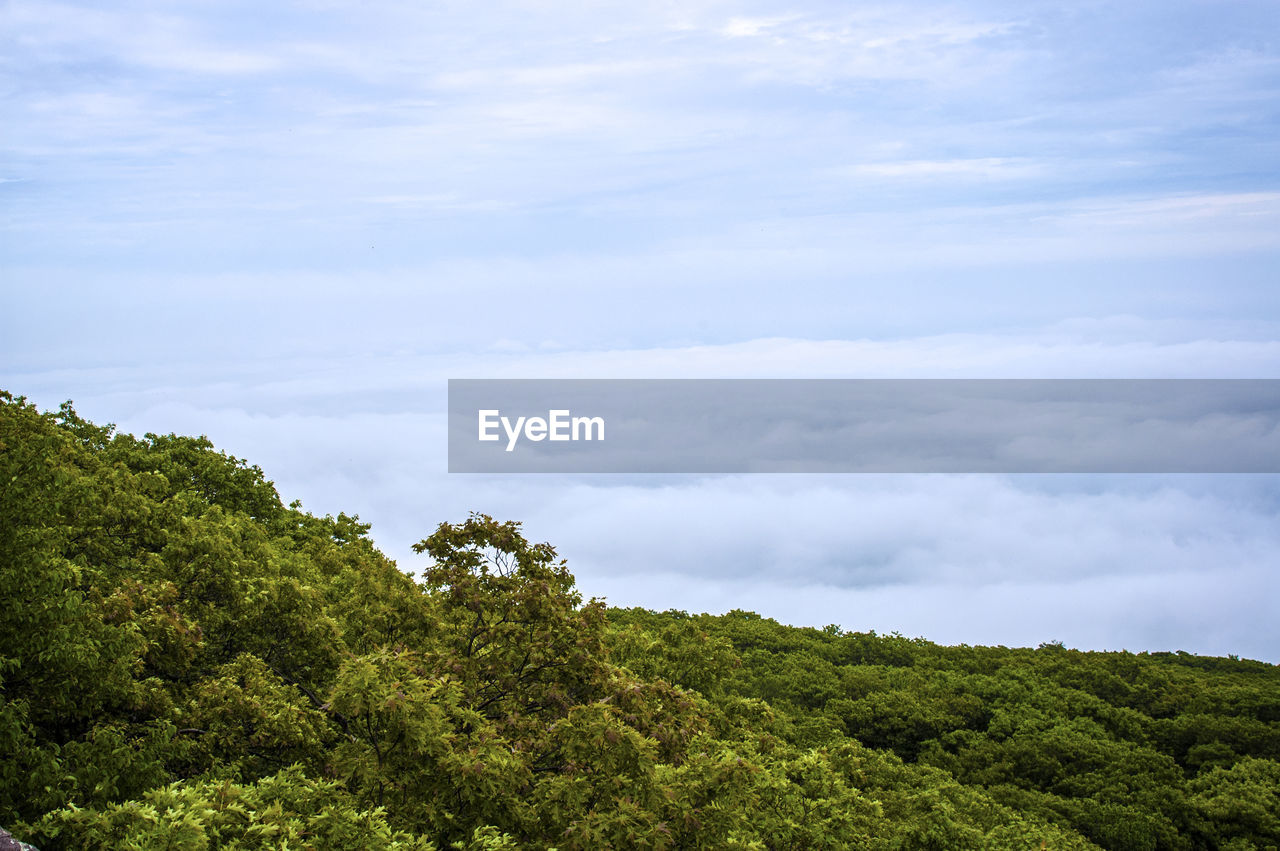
x: 676, y: 650
x: 510, y: 627
x: 285, y: 810
x: 1109, y: 747
x: 185, y: 662
x: 1241, y: 804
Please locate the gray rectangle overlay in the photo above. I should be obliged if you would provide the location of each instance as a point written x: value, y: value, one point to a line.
x: 864, y: 426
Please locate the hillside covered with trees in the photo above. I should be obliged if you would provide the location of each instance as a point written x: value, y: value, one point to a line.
x: 187, y: 663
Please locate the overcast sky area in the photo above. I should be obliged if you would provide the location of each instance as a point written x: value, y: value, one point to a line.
x: 286, y: 225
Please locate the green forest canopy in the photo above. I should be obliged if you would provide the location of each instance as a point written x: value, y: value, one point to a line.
x: 188, y: 663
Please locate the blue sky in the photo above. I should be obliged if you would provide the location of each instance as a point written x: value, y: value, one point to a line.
x: 285, y: 225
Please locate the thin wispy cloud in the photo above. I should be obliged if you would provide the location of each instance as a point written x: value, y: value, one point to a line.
x: 998, y: 168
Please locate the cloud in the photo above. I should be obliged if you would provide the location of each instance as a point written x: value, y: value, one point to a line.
x: 821, y: 142
x: 955, y: 559
x: 166, y: 42
x: 1212, y: 613
x: 982, y: 167
x: 743, y: 27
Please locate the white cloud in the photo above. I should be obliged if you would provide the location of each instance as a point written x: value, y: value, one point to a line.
x: 947, y: 355
x: 559, y: 77
x: 982, y: 167
x: 1242, y: 209
x: 161, y: 41
x: 743, y: 27
x: 1216, y: 612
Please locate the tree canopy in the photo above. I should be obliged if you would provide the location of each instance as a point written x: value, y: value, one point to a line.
x: 187, y: 662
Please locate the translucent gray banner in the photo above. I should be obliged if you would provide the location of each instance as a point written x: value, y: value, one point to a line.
x: 864, y: 426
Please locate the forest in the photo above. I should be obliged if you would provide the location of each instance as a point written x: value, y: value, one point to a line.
x: 186, y: 662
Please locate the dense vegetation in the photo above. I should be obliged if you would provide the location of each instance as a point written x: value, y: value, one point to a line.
x: 187, y: 663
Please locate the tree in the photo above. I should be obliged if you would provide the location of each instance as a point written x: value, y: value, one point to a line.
x: 511, y: 627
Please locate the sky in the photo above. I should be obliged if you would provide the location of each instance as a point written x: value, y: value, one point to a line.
x: 286, y: 225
